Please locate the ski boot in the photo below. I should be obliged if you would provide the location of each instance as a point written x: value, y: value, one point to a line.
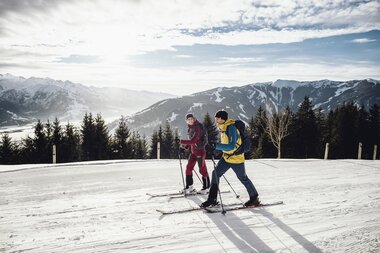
x: 253, y: 201
x: 209, y: 203
x: 189, y: 190
x: 206, y: 185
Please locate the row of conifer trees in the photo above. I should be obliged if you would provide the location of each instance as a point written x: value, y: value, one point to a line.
x: 308, y: 132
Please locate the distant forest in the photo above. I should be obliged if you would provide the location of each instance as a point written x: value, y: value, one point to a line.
x: 306, y: 134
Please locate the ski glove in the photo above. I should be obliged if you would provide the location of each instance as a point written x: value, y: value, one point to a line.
x: 211, y: 146
x: 183, y: 147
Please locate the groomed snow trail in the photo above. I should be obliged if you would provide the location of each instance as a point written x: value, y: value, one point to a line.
x: 330, y: 206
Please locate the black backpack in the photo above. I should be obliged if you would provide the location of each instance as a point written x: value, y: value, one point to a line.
x: 246, y: 144
x: 204, y: 137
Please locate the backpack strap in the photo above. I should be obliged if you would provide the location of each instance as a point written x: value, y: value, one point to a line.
x: 237, y: 146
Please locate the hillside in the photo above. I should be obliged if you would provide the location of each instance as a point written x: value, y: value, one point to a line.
x: 242, y: 102
x: 330, y: 206
x: 24, y: 100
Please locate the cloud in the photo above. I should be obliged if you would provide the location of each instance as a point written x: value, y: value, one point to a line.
x: 26, y: 6
x: 6, y: 65
x: 186, y: 35
x: 183, y: 56
x: 362, y: 40
x: 101, y: 24
x: 240, y: 61
x: 80, y: 59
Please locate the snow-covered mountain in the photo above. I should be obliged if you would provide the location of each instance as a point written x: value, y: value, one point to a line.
x: 243, y: 102
x: 24, y: 100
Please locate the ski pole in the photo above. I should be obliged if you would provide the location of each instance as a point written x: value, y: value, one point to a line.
x: 180, y: 165
x: 200, y: 161
x: 217, y: 183
x: 237, y: 196
x: 196, y: 173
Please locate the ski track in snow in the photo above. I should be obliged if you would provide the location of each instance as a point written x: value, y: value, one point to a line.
x: 330, y: 206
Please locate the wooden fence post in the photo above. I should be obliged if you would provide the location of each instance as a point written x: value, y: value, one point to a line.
x: 374, y: 152
x: 54, y: 154
x: 360, y: 151
x: 158, y: 150
x: 326, y: 151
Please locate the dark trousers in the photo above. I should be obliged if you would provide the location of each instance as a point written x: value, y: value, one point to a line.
x: 239, y: 169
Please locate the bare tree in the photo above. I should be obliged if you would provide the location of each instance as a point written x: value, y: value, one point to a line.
x: 277, y: 127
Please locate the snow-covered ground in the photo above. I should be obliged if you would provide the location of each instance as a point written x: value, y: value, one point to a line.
x: 330, y: 206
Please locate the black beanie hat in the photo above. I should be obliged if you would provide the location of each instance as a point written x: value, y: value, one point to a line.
x: 189, y: 115
x: 221, y: 114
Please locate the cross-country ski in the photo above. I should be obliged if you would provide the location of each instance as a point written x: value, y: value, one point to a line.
x: 178, y: 194
x: 193, y: 194
x: 219, y: 209
x: 185, y: 210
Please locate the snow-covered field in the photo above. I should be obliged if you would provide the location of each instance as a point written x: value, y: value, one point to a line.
x: 330, y: 206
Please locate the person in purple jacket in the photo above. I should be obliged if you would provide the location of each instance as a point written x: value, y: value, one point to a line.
x: 197, y: 142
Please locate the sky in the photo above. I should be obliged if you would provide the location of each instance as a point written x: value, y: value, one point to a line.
x: 187, y: 46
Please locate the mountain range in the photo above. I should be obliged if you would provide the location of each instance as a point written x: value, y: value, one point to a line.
x: 243, y: 102
x: 24, y: 100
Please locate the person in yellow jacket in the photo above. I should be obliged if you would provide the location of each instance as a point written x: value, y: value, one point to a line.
x: 230, y: 140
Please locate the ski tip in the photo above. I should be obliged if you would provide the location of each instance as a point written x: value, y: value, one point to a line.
x: 271, y: 203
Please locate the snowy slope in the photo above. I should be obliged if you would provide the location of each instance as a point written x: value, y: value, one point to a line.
x: 330, y: 206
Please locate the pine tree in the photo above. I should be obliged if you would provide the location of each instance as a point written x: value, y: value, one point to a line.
x: 344, y: 141
x: 374, y: 125
x: 250, y: 133
x: 41, y: 144
x: 27, y: 151
x: 122, y: 146
x: 88, y: 138
x: 327, y: 134
x: 160, y: 134
x: 177, y: 146
x: 70, y: 144
x: 167, y: 150
x: 212, y: 130
x: 153, y: 145
x: 306, y: 130
x: 323, y: 130
x: 157, y: 137
x: 56, y: 139
x: 17, y: 152
x: 48, y: 130
x: 140, y: 147
x: 133, y: 143
x: 101, y: 139
x: 363, y: 131
x: 57, y: 132
x: 144, y: 148
x: 7, y: 150
x: 257, y: 133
